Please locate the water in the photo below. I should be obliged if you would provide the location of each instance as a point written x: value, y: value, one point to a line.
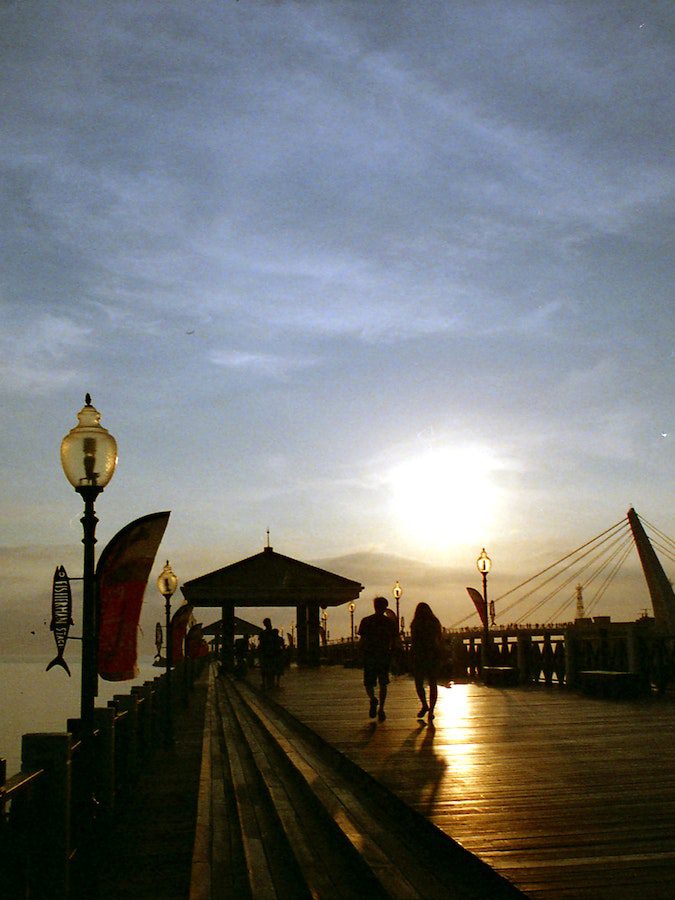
x: 34, y: 700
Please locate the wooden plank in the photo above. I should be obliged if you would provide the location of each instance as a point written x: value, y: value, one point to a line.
x: 557, y: 791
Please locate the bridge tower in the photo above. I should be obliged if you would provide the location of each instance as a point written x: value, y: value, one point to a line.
x: 580, y: 602
x: 660, y: 589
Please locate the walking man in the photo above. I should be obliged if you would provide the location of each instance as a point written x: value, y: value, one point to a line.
x: 378, y: 635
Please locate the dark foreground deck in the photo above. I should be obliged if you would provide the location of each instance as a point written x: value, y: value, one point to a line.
x: 564, y: 795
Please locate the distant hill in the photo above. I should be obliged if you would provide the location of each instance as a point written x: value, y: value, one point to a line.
x: 443, y: 587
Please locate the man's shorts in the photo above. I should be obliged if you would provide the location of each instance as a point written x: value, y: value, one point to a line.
x: 376, y: 672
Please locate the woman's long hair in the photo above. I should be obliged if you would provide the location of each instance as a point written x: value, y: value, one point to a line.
x: 424, y: 624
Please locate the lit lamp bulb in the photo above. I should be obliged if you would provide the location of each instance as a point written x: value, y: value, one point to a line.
x: 167, y: 581
x: 483, y: 563
x: 89, y: 451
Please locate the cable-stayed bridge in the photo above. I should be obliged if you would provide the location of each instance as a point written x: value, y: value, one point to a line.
x: 573, y: 586
x: 568, y: 642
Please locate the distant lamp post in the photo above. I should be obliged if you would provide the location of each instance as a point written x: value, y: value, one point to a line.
x: 167, y: 584
x: 351, y: 623
x: 89, y: 458
x: 398, y: 593
x: 324, y: 623
x: 484, y: 564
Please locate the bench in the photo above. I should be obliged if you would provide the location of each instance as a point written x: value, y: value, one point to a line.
x: 501, y: 676
x: 615, y: 685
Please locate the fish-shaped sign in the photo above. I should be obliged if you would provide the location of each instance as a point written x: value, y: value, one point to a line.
x: 62, y: 616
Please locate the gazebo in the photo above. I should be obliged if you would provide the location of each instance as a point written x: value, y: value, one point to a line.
x: 272, y: 580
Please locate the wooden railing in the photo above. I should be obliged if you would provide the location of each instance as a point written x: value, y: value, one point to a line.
x: 545, y: 654
x: 51, y: 822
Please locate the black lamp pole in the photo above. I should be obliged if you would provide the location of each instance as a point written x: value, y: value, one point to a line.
x: 89, y: 688
x: 89, y: 458
x: 398, y: 593
x: 484, y: 564
x: 167, y: 584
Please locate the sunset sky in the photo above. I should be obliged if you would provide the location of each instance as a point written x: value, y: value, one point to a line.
x: 391, y: 279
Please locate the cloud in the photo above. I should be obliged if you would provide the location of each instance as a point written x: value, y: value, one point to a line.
x: 266, y: 364
x: 35, y: 355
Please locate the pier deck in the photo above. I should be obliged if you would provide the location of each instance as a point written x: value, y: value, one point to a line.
x: 565, y: 795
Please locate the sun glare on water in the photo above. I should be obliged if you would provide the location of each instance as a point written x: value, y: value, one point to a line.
x: 443, y: 498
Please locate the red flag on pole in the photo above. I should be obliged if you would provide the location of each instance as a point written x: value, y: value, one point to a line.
x: 179, y: 625
x: 122, y: 575
x: 195, y: 645
x: 479, y: 603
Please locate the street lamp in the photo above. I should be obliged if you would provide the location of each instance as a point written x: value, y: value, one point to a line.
x: 167, y: 584
x: 351, y: 623
x: 398, y: 592
x: 89, y: 458
x: 484, y: 564
x: 324, y: 622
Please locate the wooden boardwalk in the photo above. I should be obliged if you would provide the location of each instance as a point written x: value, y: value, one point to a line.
x: 565, y: 795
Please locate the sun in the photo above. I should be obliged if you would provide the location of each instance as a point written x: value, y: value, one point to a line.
x: 443, y: 498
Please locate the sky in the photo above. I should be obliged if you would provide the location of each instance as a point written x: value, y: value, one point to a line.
x: 389, y: 279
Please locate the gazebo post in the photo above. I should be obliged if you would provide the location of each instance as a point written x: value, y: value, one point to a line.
x: 301, y: 633
x: 313, y: 640
x: 227, y: 638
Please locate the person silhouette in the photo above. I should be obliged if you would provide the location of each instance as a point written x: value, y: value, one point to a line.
x: 427, y: 648
x: 378, y: 634
x: 270, y: 646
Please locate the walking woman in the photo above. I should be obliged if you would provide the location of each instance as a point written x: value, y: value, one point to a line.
x: 426, y: 634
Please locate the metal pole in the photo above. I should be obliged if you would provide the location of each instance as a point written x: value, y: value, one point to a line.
x: 168, y: 721
x: 486, y: 632
x: 89, y: 683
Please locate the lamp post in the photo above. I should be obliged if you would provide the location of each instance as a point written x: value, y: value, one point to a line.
x: 89, y: 458
x: 324, y: 622
x: 397, y: 592
x: 167, y: 584
x: 484, y: 564
x: 351, y: 623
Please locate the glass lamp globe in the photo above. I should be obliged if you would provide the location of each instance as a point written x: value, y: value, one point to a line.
x: 167, y: 581
x: 398, y: 591
x: 483, y: 563
x: 89, y: 451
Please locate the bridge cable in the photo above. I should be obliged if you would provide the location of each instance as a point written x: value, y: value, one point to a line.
x: 608, y: 580
x: 622, y: 540
x: 622, y: 523
x: 623, y: 549
x: 607, y: 534
x: 555, y: 575
x: 658, y: 531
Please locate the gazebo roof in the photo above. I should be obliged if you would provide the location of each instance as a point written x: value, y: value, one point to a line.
x: 270, y: 579
x: 241, y: 626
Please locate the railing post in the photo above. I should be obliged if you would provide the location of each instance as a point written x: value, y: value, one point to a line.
x: 142, y: 694
x: 129, y: 704
x: 524, y: 657
x: 50, y: 836
x: 104, y: 722
x: 571, y: 658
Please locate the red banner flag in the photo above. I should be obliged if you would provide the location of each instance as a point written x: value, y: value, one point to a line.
x: 195, y: 645
x: 179, y: 626
x: 122, y: 575
x: 479, y: 603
